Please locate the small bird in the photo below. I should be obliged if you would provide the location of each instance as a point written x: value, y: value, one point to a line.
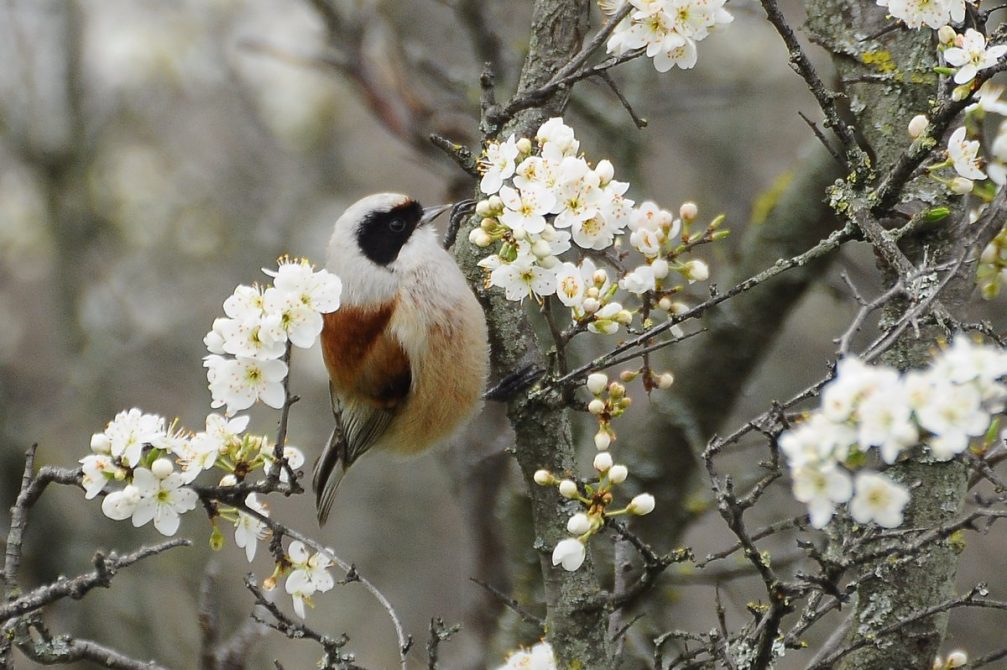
x: 407, y: 351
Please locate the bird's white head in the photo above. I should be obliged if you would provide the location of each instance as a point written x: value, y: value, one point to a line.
x: 377, y: 238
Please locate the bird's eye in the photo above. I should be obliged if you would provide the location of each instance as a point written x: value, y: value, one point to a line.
x: 396, y: 225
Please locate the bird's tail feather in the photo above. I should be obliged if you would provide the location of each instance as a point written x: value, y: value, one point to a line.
x: 329, y: 470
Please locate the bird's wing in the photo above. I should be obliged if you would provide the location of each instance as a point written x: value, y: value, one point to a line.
x: 367, y: 393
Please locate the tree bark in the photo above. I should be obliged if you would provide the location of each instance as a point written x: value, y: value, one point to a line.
x: 577, y: 615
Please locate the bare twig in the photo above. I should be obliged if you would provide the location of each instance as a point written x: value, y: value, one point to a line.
x: 439, y: 632
x: 856, y: 158
x: 333, y: 659
x: 105, y: 567
x: 514, y: 605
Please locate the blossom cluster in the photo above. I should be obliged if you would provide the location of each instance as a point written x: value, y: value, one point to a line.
x: 944, y: 407
x: 145, y: 467
x: 539, y: 657
x: 155, y: 463
x: 544, y: 198
x: 609, y: 401
x: 668, y: 29
x: 246, y: 346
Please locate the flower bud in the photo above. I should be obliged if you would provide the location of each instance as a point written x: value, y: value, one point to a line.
x: 596, y: 406
x: 641, y: 504
x: 660, y: 268
x: 568, y: 489
x: 605, y: 171
x: 101, y: 444
x: 696, y: 270
x: 549, y: 262
x: 596, y: 382
x: 480, y: 238
x: 628, y: 375
x: 918, y: 125
x: 961, y: 92
x: 496, y: 204
x: 664, y: 380
x: 665, y: 304
x: 602, y: 440
x: 946, y: 35
x: 544, y: 478
x: 590, y: 305
x: 578, y: 524
x: 548, y: 233
x: 603, y: 461
x: 688, y: 211
x: 625, y: 402
x: 617, y: 473
x: 570, y: 553
x: 961, y: 185
x: 483, y: 208
x: 228, y: 480
x: 616, y: 390
x: 957, y: 659
x: 488, y: 224
x: 679, y: 308
x: 600, y: 277
x: 524, y: 145
x: 592, y: 292
x: 541, y: 249
x: 519, y: 233
x: 161, y: 468
x: 623, y: 316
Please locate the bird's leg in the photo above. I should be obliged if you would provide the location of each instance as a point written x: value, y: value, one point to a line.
x: 514, y: 383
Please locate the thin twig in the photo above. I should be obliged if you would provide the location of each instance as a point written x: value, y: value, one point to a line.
x: 105, y: 567
x: 514, y: 605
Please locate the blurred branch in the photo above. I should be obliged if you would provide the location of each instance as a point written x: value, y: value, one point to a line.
x: 485, y: 41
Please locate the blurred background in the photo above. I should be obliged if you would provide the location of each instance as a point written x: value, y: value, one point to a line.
x: 155, y: 154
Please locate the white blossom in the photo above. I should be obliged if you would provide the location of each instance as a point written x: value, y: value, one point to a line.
x: 570, y: 553
x: 238, y: 383
x: 972, y: 55
x: 539, y: 657
x: 247, y: 529
x: 498, y: 165
x: 161, y: 500
x: 821, y: 489
x: 309, y: 576
x: 964, y: 155
x: 879, y: 499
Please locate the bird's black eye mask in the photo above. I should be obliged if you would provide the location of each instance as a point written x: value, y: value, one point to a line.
x: 381, y: 235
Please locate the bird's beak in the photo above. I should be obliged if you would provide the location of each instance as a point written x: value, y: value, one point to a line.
x: 431, y: 213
